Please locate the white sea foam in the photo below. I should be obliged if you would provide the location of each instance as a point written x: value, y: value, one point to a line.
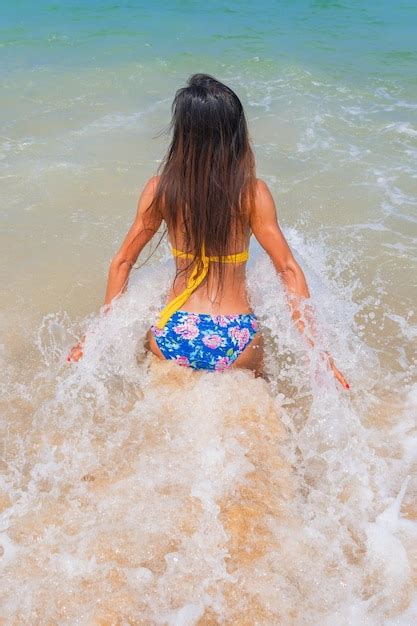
x: 112, y: 121
x: 403, y: 128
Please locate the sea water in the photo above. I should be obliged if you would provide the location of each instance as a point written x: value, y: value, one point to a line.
x: 138, y: 492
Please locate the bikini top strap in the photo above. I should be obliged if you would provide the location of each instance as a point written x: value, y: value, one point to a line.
x: 237, y: 257
x: 195, y: 280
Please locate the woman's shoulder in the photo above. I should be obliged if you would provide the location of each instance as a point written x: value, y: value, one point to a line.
x: 152, y: 182
x: 262, y: 188
x: 150, y: 188
x: 262, y: 195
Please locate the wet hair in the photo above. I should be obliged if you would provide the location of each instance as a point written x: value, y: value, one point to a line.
x: 207, y: 177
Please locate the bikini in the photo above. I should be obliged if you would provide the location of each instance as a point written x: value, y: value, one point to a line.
x: 201, y: 340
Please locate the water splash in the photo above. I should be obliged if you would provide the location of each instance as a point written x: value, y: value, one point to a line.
x: 136, y: 489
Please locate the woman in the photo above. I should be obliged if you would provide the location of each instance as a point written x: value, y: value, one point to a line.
x: 210, y: 200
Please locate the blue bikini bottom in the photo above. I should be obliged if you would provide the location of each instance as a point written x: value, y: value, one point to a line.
x: 204, y: 341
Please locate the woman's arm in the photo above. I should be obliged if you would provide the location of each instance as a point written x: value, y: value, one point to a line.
x: 144, y: 227
x: 140, y: 233
x: 265, y: 227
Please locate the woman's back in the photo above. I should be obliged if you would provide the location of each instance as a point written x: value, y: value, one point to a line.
x: 218, y: 293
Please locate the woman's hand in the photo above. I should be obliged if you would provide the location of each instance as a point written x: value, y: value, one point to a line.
x: 76, y: 351
x: 338, y: 375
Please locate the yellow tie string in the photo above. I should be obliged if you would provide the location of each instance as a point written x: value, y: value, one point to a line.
x: 195, y: 279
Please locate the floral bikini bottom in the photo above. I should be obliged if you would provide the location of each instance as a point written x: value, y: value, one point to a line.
x: 204, y: 341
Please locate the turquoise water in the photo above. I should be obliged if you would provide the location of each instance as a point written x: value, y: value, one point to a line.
x: 352, y: 40
x: 117, y: 477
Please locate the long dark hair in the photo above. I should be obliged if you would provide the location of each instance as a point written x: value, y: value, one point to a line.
x: 207, y: 177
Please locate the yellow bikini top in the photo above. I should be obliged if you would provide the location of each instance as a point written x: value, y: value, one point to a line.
x: 195, y: 279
